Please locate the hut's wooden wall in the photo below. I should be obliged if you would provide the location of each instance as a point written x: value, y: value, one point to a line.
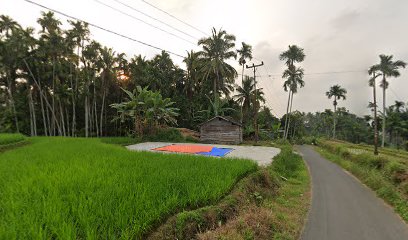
x: 220, y: 131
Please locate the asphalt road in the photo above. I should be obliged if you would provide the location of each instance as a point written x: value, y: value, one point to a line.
x: 343, y: 208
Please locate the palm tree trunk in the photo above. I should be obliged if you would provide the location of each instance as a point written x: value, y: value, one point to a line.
x: 384, y: 113
x: 375, y: 118
x: 286, y: 117
x: 86, y: 115
x: 102, y: 110
x: 73, y: 98
x: 62, y: 119
x: 96, y: 119
x: 216, y: 81
x: 53, y: 97
x: 242, y: 85
x: 43, y: 113
x: 33, y: 124
x: 334, y: 118
x: 31, y: 113
x: 68, y: 123
x: 95, y: 111
x: 12, y: 104
x: 290, y: 112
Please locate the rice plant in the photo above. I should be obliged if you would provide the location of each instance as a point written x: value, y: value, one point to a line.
x: 66, y: 188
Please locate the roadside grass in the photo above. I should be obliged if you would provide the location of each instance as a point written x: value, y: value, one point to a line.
x: 386, y: 175
x: 261, y: 206
x: 75, y: 188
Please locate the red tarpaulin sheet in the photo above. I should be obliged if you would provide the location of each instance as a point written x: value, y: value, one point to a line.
x: 185, y: 148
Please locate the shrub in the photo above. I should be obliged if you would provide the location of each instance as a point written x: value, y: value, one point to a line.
x: 166, y: 135
x: 286, y: 163
x: 9, y: 138
x: 191, y: 139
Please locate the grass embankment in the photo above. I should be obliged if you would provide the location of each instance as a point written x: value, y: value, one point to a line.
x: 386, y: 174
x: 11, y: 140
x: 388, y: 152
x: 261, y: 206
x: 65, y: 188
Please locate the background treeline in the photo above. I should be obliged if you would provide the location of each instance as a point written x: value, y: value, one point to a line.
x: 352, y: 128
x: 61, y: 82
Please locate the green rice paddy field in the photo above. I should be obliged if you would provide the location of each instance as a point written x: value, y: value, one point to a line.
x: 66, y: 188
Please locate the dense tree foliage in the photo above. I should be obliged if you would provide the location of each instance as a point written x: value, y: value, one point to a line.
x: 59, y: 81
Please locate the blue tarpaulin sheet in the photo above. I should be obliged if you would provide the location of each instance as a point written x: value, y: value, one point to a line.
x: 217, y: 152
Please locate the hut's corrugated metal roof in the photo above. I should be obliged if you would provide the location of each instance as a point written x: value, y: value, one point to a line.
x: 223, y: 118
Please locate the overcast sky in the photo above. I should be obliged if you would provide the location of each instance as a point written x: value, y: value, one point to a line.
x: 338, y: 36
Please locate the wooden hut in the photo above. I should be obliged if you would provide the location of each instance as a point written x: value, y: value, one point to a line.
x: 221, y: 130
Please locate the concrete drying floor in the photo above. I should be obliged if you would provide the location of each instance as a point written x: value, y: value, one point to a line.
x: 262, y: 155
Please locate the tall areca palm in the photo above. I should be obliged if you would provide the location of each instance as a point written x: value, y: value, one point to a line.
x: 51, y: 40
x: 244, y: 53
x: 294, y: 76
x: 78, y: 35
x: 217, y: 49
x: 336, y: 92
x: 372, y: 71
x: 293, y: 55
x: 10, y: 51
x: 8, y: 25
x: 90, y: 58
x: 388, y: 68
x: 106, y: 63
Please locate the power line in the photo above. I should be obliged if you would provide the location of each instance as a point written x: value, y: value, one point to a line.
x: 102, y: 28
x: 337, y: 72
x: 395, y: 94
x: 316, y: 73
x: 169, y: 14
x: 156, y: 19
x: 138, y: 19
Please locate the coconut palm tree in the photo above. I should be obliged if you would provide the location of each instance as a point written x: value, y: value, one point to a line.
x: 243, y: 96
x: 291, y: 56
x: 294, y: 76
x: 217, y: 49
x: 336, y: 92
x: 192, y: 62
x: 246, y: 96
x: 388, y: 68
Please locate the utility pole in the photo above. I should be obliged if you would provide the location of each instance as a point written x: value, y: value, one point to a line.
x: 255, y: 100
